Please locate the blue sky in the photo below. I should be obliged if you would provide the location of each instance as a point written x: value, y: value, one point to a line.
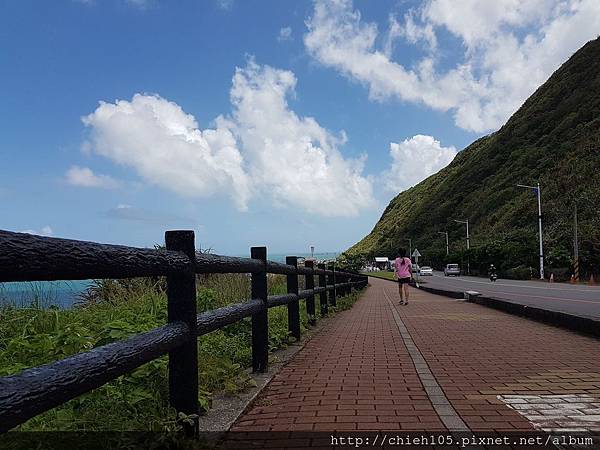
x: 237, y: 116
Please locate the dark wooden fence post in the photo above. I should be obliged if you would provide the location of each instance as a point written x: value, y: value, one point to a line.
x: 323, y: 295
x: 293, y: 308
x: 310, y: 285
x: 260, y: 321
x: 181, y: 307
x: 331, y: 280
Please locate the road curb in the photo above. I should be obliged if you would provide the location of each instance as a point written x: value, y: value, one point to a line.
x: 580, y: 324
x: 444, y: 292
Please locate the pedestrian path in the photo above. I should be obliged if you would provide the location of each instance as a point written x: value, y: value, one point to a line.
x: 436, y: 364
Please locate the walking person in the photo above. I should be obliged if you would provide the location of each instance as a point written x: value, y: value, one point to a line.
x: 403, y: 272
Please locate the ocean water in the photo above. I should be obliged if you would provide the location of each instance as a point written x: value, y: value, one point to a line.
x: 63, y: 294
x: 59, y: 294
x: 280, y: 257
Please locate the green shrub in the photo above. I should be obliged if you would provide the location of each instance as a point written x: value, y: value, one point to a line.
x: 560, y: 273
x: 519, y: 273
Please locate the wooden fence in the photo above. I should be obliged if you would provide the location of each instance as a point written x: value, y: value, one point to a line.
x: 25, y: 257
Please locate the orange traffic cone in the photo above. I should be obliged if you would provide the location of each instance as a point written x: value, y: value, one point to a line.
x: 592, y: 282
x: 551, y: 278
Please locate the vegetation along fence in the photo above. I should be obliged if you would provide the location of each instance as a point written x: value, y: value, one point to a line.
x: 25, y: 257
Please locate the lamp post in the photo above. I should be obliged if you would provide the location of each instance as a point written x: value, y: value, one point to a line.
x: 447, y: 246
x: 575, y: 246
x: 539, y: 200
x: 466, y: 221
x: 409, y: 248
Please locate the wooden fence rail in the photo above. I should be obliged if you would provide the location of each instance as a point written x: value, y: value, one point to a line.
x: 25, y: 257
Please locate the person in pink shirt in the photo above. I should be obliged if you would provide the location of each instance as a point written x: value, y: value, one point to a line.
x: 403, y: 272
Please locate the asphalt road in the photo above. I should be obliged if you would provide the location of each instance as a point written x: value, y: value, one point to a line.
x: 581, y: 300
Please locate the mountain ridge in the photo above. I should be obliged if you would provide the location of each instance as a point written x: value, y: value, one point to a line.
x: 553, y: 138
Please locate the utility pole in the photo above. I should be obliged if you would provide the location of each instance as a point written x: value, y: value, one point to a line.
x: 466, y: 221
x: 409, y: 248
x: 447, y: 246
x: 539, y: 200
x: 575, y: 247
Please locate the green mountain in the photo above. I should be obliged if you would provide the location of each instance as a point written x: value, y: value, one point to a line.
x: 553, y: 139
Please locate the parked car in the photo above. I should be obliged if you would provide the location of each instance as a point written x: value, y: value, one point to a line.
x: 426, y: 271
x: 415, y: 268
x: 452, y: 269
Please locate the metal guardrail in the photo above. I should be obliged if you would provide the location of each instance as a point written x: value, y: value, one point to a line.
x: 25, y: 257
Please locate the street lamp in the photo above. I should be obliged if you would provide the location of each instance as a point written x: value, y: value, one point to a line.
x: 466, y: 221
x: 575, y: 246
x: 447, y: 247
x: 409, y: 247
x: 539, y: 200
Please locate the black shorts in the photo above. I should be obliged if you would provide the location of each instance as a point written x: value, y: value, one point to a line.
x: 404, y: 280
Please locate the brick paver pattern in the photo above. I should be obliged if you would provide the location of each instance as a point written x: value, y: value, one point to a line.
x: 358, y: 375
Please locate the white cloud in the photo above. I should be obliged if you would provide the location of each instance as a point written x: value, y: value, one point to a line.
x: 225, y: 4
x: 293, y: 159
x: 138, y: 3
x: 84, y: 176
x: 262, y: 148
x: 141, y: 4
x: 412, y: 31
x: 511, y: 47
x: 45, y: 231
x: 478, y: 21
x: 167, y: 148
x: 285, y: 34
x: 415, y: 159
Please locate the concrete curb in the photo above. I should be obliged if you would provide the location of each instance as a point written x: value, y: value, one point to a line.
x: 580, y: 324
x: 445, y: 293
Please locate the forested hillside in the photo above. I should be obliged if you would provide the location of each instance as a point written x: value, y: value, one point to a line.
x: 553, y: 139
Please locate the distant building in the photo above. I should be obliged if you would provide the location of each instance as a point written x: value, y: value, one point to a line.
x: 382, y: 263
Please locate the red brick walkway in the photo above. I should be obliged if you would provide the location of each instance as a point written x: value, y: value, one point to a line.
x: 495, y: 371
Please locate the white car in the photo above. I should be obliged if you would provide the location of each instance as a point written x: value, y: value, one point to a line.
x: 452, y: 269
x: 426, y: 271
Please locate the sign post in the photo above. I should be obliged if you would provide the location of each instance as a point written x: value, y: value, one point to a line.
x: 416, y: 255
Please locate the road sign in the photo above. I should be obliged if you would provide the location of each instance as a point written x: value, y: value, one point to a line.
x: 416, y: 255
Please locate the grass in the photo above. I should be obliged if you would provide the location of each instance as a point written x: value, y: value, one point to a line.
x: 390, y: 276
x: 382, y: 274
x: 113, y: 310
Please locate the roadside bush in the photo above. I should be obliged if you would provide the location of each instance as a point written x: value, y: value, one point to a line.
x: 519, y: 273
x: 560, y: 273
